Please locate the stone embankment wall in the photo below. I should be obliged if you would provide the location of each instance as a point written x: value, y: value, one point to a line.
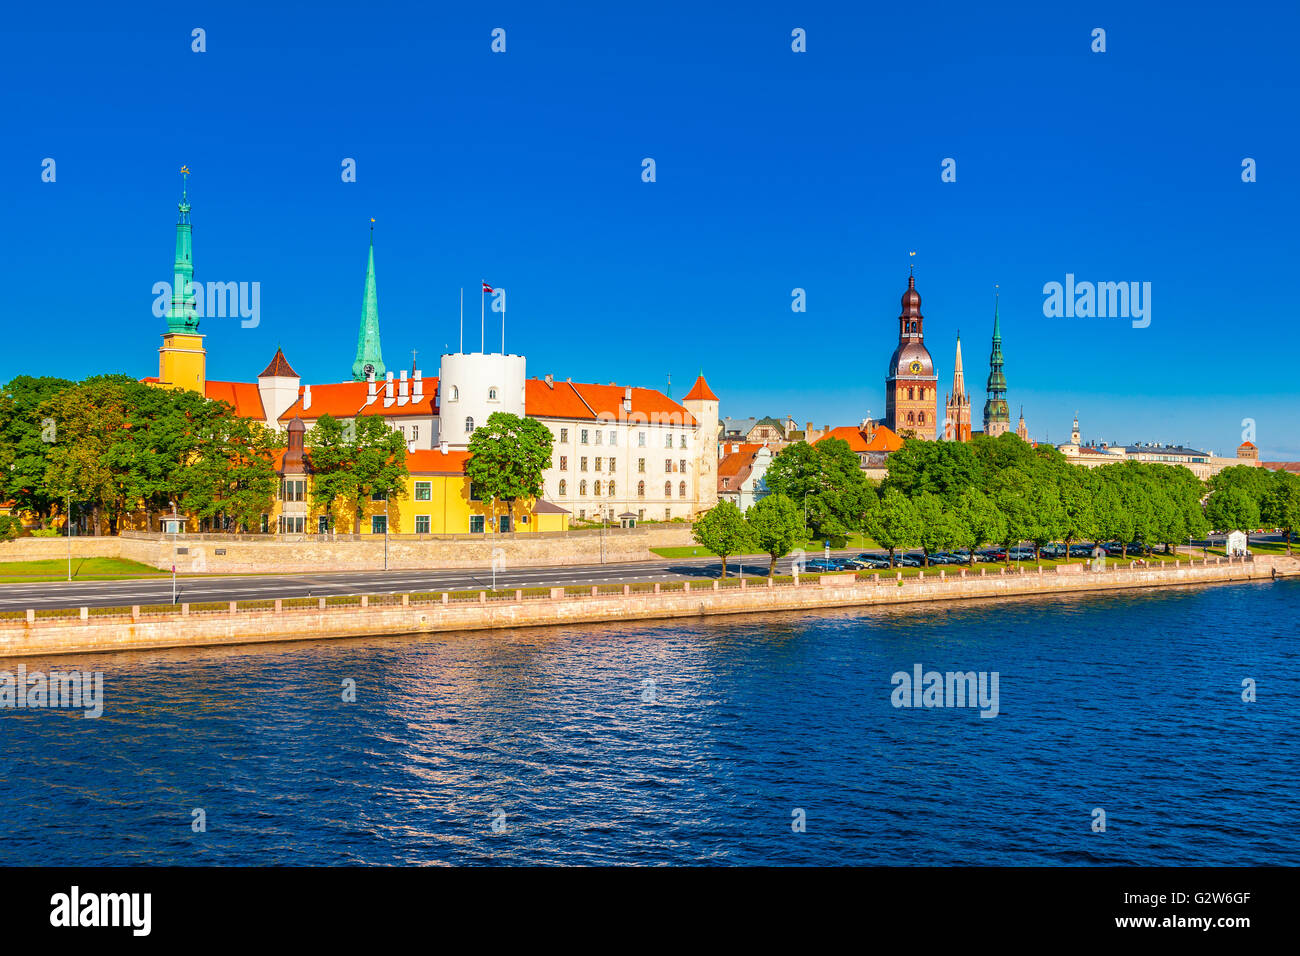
x: 37, y: 636
x: 238, y: 554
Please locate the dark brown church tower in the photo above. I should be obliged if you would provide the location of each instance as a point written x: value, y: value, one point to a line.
x: 911, y: 387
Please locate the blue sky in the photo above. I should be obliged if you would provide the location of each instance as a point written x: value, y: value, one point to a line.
x: 775, y: 170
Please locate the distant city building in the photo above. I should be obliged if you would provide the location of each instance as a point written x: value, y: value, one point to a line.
x: 871, y: 442
x: 1248, y: 451
x: 763, y: 431
x: 997, y: 416
x: 911, y: 387
x: 956, y: 419
x: 1202, y: 464
x: 617, y: 449
x: 741, y: 471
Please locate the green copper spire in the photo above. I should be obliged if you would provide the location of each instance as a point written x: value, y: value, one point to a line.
x: 996, y: 412
x: 370, y: 359
x: 182, y: 316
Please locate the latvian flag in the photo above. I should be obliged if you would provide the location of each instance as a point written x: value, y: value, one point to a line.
x: 487, y: 288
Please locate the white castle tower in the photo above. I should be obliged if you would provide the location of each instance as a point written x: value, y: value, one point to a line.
x: 473, y: 385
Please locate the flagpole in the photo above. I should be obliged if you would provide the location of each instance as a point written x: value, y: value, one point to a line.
x: 503, y: 323
x: 462, y: 319
x: 482, y: 321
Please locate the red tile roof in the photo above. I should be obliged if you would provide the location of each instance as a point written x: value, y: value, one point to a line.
x: 850, y: 434
x: 884, y: 440
x: 347, y: 399
x: 279, y: 367
x: 431, y: 461
x: 242, y: 396
x: 700, y: 391
x: 590, y: 402
x: 737, y: 460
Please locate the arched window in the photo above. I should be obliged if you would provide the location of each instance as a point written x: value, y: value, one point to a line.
x: 582, y: 488
x: 564, y: 487
x: 640, y: 489
x: 681, y: 490
x: 911, y: 418
x: 595, y: 488
x: 469, y: 426
x: 492, y: 394
x: 455, y: 393
x: 922, y: 419
x: 610, y: 490
x: 668, y: 489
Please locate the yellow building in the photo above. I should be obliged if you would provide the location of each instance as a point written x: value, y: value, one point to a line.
x: 438, y: 499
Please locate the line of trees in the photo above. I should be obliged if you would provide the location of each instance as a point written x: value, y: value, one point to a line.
x: 117, y: 449
x: 945, y: 496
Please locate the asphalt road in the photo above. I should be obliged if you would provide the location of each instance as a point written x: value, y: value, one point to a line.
x: 17, y: 597
x: 61, y: 594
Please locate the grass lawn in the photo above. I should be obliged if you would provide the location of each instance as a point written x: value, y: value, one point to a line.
x: 83, y: 569
x: 1259, y: 547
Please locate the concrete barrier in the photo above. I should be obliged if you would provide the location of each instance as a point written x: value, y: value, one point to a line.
x: 39, y: 636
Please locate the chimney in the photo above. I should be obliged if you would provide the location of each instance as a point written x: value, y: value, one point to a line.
x: 402, y: 394
x: 306, y: 397
x: 388, y: 390
x: 550, y: 380
x: 370, y: 388
x: 417, y: 387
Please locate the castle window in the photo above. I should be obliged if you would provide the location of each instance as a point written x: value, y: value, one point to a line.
x: 564, y: 487
x: 681, y: 440
x: 595, y: 488
x: 564, y: 463
x: 681, y: 465
x: 582, y: 488
x: 640, y: 489
x: 455, y: 393
x: 668, y: 489
x: 492, y: 394
x: 681, y: 490
x: 610, y: 490
x: 564, y: 436
x: 469, y: 426
x: 922, y: 418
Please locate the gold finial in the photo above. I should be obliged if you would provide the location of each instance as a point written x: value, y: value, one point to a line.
x: 185, y: 170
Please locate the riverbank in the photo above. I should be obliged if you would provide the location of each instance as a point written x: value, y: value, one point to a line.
x: 43, y: 633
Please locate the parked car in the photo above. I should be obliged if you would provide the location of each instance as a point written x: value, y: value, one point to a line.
x: 866, y: 562
x: 909, y: 561
x: 1081, y: 550
x: 821, y: 564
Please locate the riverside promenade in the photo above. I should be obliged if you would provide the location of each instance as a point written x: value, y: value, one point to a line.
x: 76, y: 631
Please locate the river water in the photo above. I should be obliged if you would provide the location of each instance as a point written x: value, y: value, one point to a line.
x: 727, y: 740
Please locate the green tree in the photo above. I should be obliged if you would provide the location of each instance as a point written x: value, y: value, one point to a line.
x: 508, y: 456
x: 1047, y: 518
x: 229, y: 480
x: 1282, y: 505
x: 826, y: 482
x: 1114, y: 521
x: 1012, y: 493
x: 894, y: 524
x: 980, y: 521
x: 775, y: 526
x: 940, y: 528
x: 943, y: 468
x: 1077, y: 489
x: 1232, y: 508
x: 355, y: 461
x: 25, y: 444
x: 723, y: 531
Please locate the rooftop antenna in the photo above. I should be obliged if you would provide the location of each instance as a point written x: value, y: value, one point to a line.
x: 414, y: 353
x: 462, y: 318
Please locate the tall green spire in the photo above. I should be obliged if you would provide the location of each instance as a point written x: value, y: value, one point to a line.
x: 370, y: 358
x: 997, y: 416
x: 182, y: 316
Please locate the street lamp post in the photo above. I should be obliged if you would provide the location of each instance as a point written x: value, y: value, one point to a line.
x: 67, y: 520
x: 385, y: 531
